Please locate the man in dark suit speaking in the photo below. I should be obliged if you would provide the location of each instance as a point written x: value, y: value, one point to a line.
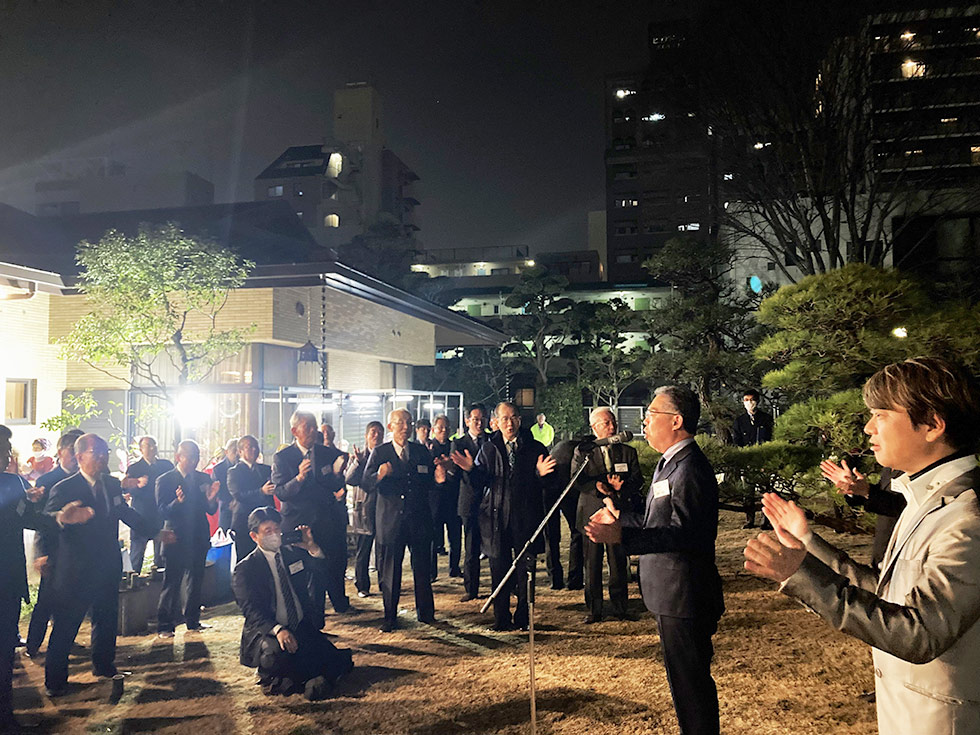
x: 280, y: 636
x: 676, y: 537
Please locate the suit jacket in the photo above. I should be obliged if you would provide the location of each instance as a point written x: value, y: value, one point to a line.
x: 255, y: 591
x: 145, y: 498
x: 469, y: 498
x: 623, y: 462
x: 675, y: 536
x: 245, y: 487
x: 48, y: 481
x: 87, y: 554
x: 920, y: 614
x: 402, y: 514
x: 513, y: 497
x: 444, y: 497
x: 189, y: 519
x: 16, y: 514
x: 311, y: 502
x: 748, y: 430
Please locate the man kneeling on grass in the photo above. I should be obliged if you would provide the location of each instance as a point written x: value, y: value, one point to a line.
x: 272, y: 588
x: 920, y: 612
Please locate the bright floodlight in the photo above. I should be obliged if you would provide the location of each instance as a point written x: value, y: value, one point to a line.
x: 900, y: 332
x: 192, y: 408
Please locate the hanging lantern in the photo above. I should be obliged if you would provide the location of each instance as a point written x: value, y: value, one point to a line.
x: 309, y: 353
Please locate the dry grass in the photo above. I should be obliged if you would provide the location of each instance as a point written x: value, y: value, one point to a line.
x: 779, y: 670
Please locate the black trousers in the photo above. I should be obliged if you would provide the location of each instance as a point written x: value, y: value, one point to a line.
x: 9, y: 615
x: 137, y: 551
x: 101, y: 597
x: 362, y: 561
x: 315, y: 656
x: 576, y: 560
x: 687, y: 650
x: 618, y: 577
x: 41, y: 614
x: 390, y: 559
x: 471, y: 555
x: 182, y: 579
x: 328, y: 577
x: 516, y: 584
x: 454, y: 531
x: 552, y: 555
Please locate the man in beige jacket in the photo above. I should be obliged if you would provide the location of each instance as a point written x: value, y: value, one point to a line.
x: 920, y: 613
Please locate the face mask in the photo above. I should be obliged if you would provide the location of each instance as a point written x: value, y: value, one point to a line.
x: 270, y: 542
x: 749, y: 405
x: 38, y: 455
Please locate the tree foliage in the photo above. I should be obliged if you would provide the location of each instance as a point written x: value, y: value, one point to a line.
x: 482, y: 374
x: 155, y: 300
x: 705, y: 333
x: 831, y: 332
x: 561, y: 402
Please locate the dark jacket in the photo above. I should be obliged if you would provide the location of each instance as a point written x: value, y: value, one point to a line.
x: 16, y: 514
x: 312, y: 501
x: 189, y: 519
x: 623, y: 462
x: 255, y: 591
x: 444, y: 497
x: 245, y: 487
x: 676, y: 537
x: 749, y: 430
x: 145, y: 498
x: 512, y: 501
x: 403, y: 514
x: 89, y: 552
x: 48, y: 481
x: 469, y: 498
x: 220, y: 473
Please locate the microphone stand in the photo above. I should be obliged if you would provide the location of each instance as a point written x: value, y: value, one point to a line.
x: 530, y: 560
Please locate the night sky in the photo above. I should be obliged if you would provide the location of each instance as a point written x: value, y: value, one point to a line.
x: 497, y: 106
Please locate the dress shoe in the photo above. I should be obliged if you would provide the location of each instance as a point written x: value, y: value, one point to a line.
x: 501, y: 627
x: 316, y: 689
x: 199, y: 627
x: 428, y: 620
x: 575, y: 586
x: 20, y: 642
x: 106, y: 673
x: 626, y: 616
x: 749, y: 524
x: 363, y: 594
x: 31, y: 652
x: 456, y: 573
x: 57, y: 691
x: 590, y: 619
x: 387, y: 627
x: 165, y: 634
x: 557, y: 585
x: 467, y: 597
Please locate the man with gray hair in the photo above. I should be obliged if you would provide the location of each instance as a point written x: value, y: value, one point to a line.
x: 675, y: 537
x: 220, y: 473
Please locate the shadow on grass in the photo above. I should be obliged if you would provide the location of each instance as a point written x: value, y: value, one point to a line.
x: 183, y: 688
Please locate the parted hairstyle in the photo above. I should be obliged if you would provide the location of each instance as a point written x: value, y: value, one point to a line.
x: 260, y: 515
x: 927, y: 387
x: 685, y: 402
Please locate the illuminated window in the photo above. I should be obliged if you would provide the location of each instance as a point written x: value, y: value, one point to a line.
x: 949, y: 120
x: 524, y: 397
x: 908, y: 36
x: 331, y: 220
x: 915, y: 152
x: 728, y: 177
x: 627, y: 203
x: 19, y: 406
x: 654, y: 117
x: 300, y: 215
x: 335, y: 164
x: 975, y: 155
x: 275, y: 191
x: 912, y: 69
x: 623, y: 92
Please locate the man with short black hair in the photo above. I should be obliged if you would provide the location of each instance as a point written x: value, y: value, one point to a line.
x: 185, y: 497
x: 280, y: 636
x: 143, y: 497
x: 250, y: 486
x: 675, y: 537
x: 423, y: 427
x: 751, y: 428
x: 920, y: 612
x: 468, y: 508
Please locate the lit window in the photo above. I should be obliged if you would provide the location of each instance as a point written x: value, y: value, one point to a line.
x: 690, y: 227
x: 627, y: 203
x: 331, y: 220
x: 949, y: 120
x: 654, y: 117
x: 275, y: 191
x: 915, y: 152
x: 912, y: 69
x: 300, y: 215
x: 975, y: 155
x: 728, y: 177
x: 335, y: 164
x: 19, y: 406
x: 623, y: 93
x: 908, y: 36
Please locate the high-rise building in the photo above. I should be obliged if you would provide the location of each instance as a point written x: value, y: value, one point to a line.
x: 342, y: 187
x: 660, y: 178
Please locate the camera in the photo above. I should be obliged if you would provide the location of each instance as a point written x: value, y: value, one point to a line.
x: 292, y: 537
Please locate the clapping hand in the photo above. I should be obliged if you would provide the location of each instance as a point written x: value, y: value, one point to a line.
x: 847, y: 481
x: 604, y: 528
x: 269, y: 488
x: 211, y: 492
x: 463, y: 460
x: 545, y: 465
x: 74, y: 513
x: 778, y: 558
x: 180, y: 494
x: 35, y: 494
x: 384, y: 470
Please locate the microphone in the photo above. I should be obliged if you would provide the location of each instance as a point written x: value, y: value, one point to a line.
x: 620, y: 438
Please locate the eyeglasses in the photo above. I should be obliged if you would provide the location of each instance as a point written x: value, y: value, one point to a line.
x: 508, y: 419
x: 650, y: 413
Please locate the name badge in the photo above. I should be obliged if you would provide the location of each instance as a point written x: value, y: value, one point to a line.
x: 621, y: 467
x: 660, y: 489
x: 296, y: 566
x: 117, y: 500
x: 423, y: 469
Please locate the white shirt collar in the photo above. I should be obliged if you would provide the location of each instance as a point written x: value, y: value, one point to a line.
x: 270, y: 555
x: 675, y: 448
x: 923, y: 487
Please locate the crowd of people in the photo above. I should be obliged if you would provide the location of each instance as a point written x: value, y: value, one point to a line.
x: 483, y: 494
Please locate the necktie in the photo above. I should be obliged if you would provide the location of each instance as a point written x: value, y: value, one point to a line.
x: 607, y: 460
x: 402, y: 453
x: 292, y: 617
x: 660, y: 467
x: 512, y: 452
x: 101, y: 507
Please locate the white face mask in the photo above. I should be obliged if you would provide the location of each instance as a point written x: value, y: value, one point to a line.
x: 270, y: 542
x: 749, y: 405
x: 38, y: 455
